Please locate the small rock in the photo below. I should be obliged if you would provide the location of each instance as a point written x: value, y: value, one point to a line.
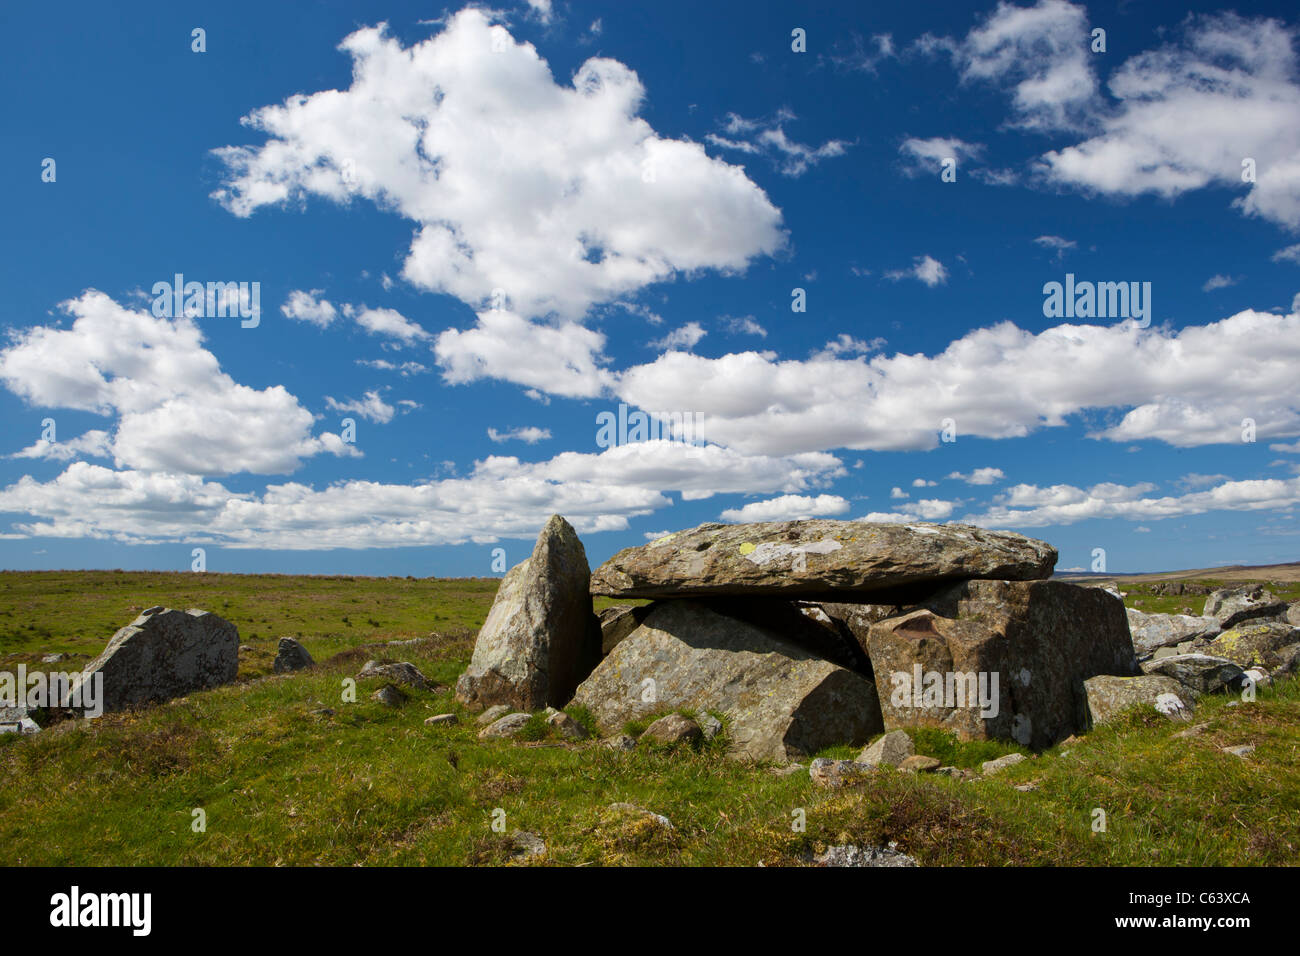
x: 990, y: 767
x: 892, y: 749
x: 674, y: 729
x: 525, y: 844
x: 505, y: 727
x: 493, y: 714
x: 788, y: 769
x: 323, y: 712
x: 291, y: 656
x: 621, y: 743
x: 918, y: 763
x: 441, y: 720
x: 1193, y: 731
x: 836, y: 773
x: 1026, y: 787
x: 403, y: 672
x: 53, y: 658
x: 1240, y: 750
x: 957, y: 773
x: 709, y: 725
x: 389, y: 696
x: 632, y: 810
x: 566, y: 726
x: 857, y: 856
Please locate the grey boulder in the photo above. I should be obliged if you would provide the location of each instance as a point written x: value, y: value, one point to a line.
x: 1233, y: 606
x: 781, y: 701
x: 291, y: 656
x: 1151, y: 632
x: 163, y: 653
x: 1109, y: 696
x: 1199, y: 673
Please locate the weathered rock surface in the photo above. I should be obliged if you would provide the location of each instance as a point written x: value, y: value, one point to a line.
x: 999, y: 659
x: 892, y: 749
x: 441, y: 720
x: 389, y: 695
x: 17, y: 720
x: 540, y: 639
x: 1268, y: 645
x: 402, y: 672
x: 674, y: 729
x: 858, y: 856
x: 919, y: 763
x: 1154, y: 631
x: 781, y: 701
x: 493, y: 714
x: 618, y: 622
x: 826, y: 772
x: 566, y: 726
x: 991, y: 767
x: 1233, y: 606
x: 162, y: 654
x: 1199, y: 673
x: 1108, y: 696
x: 817, y: 558
x: 505, y: 727
x: 291, y: 656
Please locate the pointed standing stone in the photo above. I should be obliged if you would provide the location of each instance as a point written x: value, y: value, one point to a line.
x: 541, y: 638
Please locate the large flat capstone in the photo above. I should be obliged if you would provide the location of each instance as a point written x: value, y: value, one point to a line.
x: 817, y: 558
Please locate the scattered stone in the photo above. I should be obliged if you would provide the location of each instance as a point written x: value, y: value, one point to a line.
x: 525, y: 844
x: 991, y: 767
x: 17, y: 720
x: 999, y: 660
x: 1240, y: 750
x: 162, y: 654
x: 441, y: 720
x: 1108, y: 696
x: 540, y: 639
x: 322, y: 712
x: 1151, y: 632
x: 919, y: 763
x: 389, y: 696
x: 494, y: 713
x: 788, y: 770
x: 836, y: 773
x: 782, y: 702
x: 620, y: 742
x: 892, y: 749
x: 1193, y: 731
x: 673, y: 729
x: 618, y: 622
x: 1026, y: 787
x: 856, y: 856
x: 1199, y: 673
x: 291, y: 656
x: 631, y: 810
x: 54, y: 658
x: 818, y: 558
x: 1292, y: 616
x: 957, y: 773
x: 566, y: 726
x: 1257, y: 677
x: 401, y: 673
x: 506, y: 727
x: 710, y: 726
x: 1233, y: 606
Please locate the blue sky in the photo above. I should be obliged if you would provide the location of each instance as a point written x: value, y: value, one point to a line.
x: 506, y: 222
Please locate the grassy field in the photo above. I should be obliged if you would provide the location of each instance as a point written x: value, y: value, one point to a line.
x: 287, y: 773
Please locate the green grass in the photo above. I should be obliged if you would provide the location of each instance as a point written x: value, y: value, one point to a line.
x: 1142, y: 597
x: 372, y: 785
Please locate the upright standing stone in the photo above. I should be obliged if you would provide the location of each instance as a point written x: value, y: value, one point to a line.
x: 541, y: 638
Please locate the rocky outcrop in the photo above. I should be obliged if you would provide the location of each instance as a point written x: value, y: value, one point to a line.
x: 1199, y: 673
x: 1109, y: 696
x: 999, y: 659
x: 541, y: 638
x: 819, y: 558
x: 401, y: 672
x: 1271, y: 645
x: 163, y: 653
x: 1233, y: 606
x: 781, y: 701
x: 1151, y: 632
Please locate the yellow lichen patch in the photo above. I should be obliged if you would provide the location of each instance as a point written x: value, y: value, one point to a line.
x: 747, y: 547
